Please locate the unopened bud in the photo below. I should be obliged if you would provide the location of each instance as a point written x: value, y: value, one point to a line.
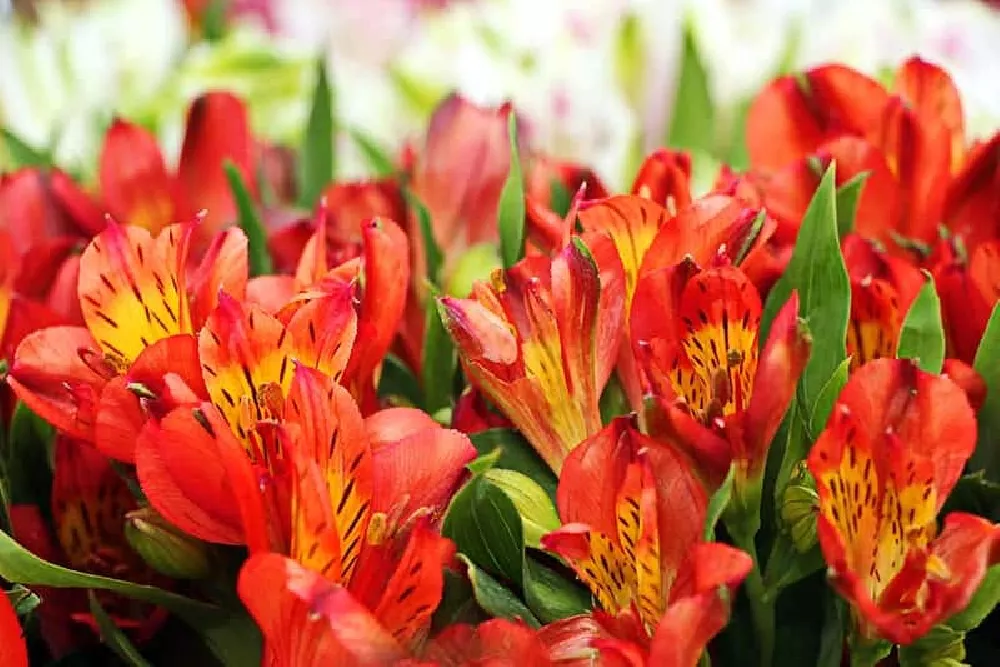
x: 799, y: 505
x: 165, y: 548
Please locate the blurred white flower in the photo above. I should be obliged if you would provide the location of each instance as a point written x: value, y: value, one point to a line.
x: 61, y: 80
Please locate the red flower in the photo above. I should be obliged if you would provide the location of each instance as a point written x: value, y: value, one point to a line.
x: 13, y: 651
x: 891, y: 453
x: 633, y: 513
x: 541, y: 342
x: 137, y: 188
x: 665, y: 178
x: 714, y: 390
x: 88, y: 507
x: 139, y: 308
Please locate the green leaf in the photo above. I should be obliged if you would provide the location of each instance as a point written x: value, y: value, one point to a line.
x: 974, y: 494
x: 250, y: 222
x: 614, y: 402
x: 848, y: 196
x: 940, y: 647
x: 560, y: 198
x: 983, y: 601
x: 440, y: 359
x: 921, y: 337
x: 538, y: 512
x: 233, y: 638
x: 516, y: 454
x: 381, y: 164
x: 485, y: 526
x: 432, y: 251
x: 828, y: 397
x: 16, y: 154
x: 484, y: 462
x: 27, y: 463
x: 717, y: 504
x: 317, y: 159
x: 692, y: 122
x: 214, y: 21
x: 22, y: 599
x: 458, y: 603
x: 113, y: 637
x: 550, y: 595
x: 495, y: 598
x: 987, y: 364
x: 510, y: 212
x: 831, y: 640
x: 817, y: 272
x: 398, y: 383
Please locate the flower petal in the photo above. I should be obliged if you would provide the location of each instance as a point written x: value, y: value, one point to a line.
x: 134, y: 181
x: 13, y: 650
x: 224, y: 267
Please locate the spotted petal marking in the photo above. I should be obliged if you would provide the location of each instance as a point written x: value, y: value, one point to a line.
x: 875, y: 321
x: 882, y: 508
x: 131, y: 289
x: 322, y: 332
x: 333, y: 509
x: 246, y: 366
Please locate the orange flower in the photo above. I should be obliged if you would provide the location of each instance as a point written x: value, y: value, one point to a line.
x: 633, y: 513
x: 541, y: 341
x: 714, y: 391
x: 138, y: 306
x: 137, y: 188
x: 891, y: 453
x: 13, y: 651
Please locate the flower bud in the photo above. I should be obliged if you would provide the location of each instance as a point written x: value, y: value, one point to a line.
x: 799, y: 505
x: 165, y: 548
x: 538, y: 514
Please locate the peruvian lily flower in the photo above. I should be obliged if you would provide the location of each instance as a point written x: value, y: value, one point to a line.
x: 88, y: 506
x: 141, y: 309
x: 665, y: 178
x: 13, y: 651
x: 892, y: 451
x: 136, y: 187
x: 715, y: 390
x: 540, y: 343
x: 633, y: 513
x: 649, y: 237
x: 968, y: 285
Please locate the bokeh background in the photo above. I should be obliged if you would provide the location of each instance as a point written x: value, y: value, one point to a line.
x: 595, y: 81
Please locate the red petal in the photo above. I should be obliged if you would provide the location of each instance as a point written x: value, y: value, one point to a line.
x: 198, y: 477
x: 930, y: 92
x: 30, y: 212
x: 57, y: 372
x: 966, y: 377
x: 13, y: 650
x: 24, y: 316
x: 389, y: 426
x: 387, y: 274
x: 781, y: 363
x: 307, y: 620
x: 496, y: 642
x: 972, y: 202
x: 223, y: 268
x: 218, y: 129
x: 135, y: 184
x: 323, y: 332
x: 665, y: 178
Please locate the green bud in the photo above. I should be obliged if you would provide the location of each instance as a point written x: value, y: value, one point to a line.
x: 538, y: 514
x: 799, y: 505
x: 165, y: 548
x: 476, y: 263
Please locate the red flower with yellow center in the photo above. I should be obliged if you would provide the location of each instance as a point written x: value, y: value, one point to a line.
x: 541, y: 341
x: 633, y: 513
x: 141, y: 308
x: 714, y: 390
x: 894, y: 448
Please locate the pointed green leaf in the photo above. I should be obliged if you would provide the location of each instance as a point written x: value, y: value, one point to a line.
x: 941, y: 647
x: 496, y: 599
x: 538, y: 512
x: 16, y: 154
x: 561, y: 198
x: 249, y: 221
x: 485, y: 526
x: 458, y: 603
x: 113, y: 637
x: 987, y: 364
x: 922, y: 335
x: 828, y: 395
x: 848, y: 196
x: 510, y: 212
x: 432, y: 251
x: 717, y: 504
x: 440, y: 359
x: 484, y: 462
x: 398, y: 384
x: 381, y: 164
x: 692, y: 122
x: 317, y: 159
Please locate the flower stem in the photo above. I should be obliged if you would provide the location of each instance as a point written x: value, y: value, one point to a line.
x: 762, y: 606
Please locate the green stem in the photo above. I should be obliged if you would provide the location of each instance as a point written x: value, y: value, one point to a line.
x: 762, y: 605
